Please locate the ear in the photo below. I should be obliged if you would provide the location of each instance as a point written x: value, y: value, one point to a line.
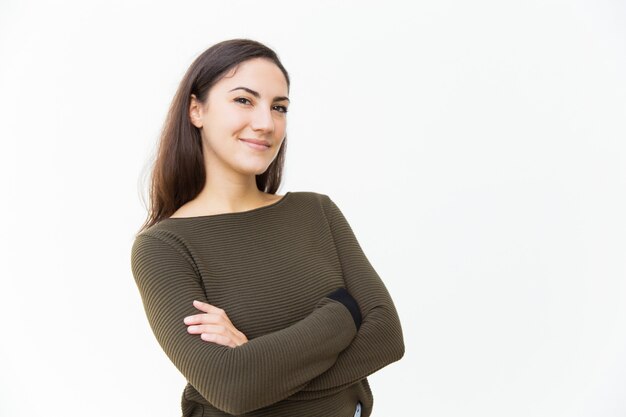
x: 195, y: 112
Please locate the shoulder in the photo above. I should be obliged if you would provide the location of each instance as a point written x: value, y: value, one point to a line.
x: 319, y: 202
x: 311, y: 196
x: 158, y: 241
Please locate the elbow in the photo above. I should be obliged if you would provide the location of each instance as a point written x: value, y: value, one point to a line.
x: 399, y: 341
x: 235, y: 389
x: 399, y: 351
x: 395, y: 344
x: 395, y: 336
x: 239, y: 399
x: 234, y: 397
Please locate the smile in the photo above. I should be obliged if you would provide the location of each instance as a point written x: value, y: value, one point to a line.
x: 254, y: 144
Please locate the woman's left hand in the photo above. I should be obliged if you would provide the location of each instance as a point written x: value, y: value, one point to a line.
x: 214, y: 326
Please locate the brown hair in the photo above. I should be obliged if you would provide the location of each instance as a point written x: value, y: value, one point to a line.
x: 178, y: 173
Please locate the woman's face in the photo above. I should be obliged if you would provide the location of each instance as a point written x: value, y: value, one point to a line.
x: 249, y: 103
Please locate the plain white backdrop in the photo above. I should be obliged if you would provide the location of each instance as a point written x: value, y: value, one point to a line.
x: 477, y: 149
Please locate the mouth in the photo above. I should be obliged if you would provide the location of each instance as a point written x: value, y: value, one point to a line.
x: 256, y: 143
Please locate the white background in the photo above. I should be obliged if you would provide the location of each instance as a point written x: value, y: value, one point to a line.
x: 477, y: 149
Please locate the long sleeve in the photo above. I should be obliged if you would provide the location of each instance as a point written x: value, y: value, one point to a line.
x: 379, y: 340
x: 262, y: 371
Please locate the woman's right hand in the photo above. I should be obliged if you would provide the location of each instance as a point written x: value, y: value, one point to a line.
x: 214, y: 326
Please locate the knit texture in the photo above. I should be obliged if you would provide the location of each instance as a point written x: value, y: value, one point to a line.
x: 275, y: 271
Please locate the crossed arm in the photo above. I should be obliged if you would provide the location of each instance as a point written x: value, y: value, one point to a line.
x: 326, y: 351
x: 379, y: 341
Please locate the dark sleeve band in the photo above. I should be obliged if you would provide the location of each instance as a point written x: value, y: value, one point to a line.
x: 343, y: 296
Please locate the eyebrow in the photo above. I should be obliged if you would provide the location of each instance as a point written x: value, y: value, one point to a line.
x: 257, y: 95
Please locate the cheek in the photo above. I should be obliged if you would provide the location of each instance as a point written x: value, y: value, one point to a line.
x: 227, y: 119
x: 234, y: 120
x: 280, y: 126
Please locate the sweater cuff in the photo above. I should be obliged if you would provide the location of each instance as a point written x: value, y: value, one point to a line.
x: 343, y: 296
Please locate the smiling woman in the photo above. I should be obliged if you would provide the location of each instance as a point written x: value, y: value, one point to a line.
x: 265, y: 303
x: 228, y: 119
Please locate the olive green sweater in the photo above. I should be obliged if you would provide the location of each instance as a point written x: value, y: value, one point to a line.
x: 276, y: 271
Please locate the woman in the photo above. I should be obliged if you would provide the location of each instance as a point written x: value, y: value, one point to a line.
x: 266, y: 303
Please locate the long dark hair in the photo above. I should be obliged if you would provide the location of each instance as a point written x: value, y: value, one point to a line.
x: 178, y: 174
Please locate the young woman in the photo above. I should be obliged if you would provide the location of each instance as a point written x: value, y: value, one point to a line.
x: 266, y: 303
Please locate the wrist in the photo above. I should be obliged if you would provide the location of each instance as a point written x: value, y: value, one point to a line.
x: 344, y: 297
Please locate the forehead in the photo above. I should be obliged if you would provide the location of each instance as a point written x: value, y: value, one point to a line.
x: 258, y: 74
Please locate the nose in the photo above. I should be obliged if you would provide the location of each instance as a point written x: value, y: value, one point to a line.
x: 262, y: 119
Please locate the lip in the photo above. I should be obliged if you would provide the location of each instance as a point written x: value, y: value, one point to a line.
x: 256, y: 143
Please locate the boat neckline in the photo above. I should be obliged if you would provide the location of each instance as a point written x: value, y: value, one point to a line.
x: 233, y: 213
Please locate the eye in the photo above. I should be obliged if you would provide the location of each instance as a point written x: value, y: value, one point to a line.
x: 241, y: 98
x: 283, y: 109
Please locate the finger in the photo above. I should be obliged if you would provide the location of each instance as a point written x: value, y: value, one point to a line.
x: 211, y: 309
x: 218, y: 338
x: 208, y: 308
x: 208, y: 328
x: 236, y: 338
x: 203, y: 319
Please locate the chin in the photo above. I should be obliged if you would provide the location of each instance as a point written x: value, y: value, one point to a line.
x: 253, y: 169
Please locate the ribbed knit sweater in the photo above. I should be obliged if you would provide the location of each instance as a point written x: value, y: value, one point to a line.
x: 290, y: 276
